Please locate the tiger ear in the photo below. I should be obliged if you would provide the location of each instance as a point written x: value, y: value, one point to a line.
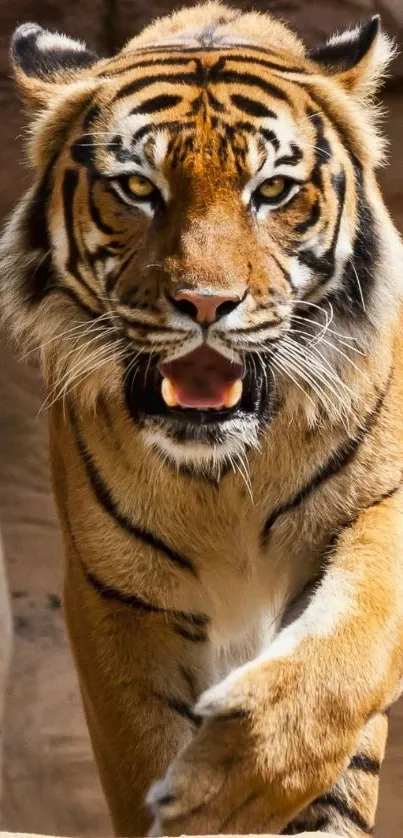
x: 45, y: 62
x: 357, y: 58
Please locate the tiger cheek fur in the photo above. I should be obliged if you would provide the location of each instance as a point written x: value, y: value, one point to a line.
x: 208, y: 270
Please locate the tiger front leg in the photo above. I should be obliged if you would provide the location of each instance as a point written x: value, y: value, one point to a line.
x: 279, y: 732
x: 141, y: 670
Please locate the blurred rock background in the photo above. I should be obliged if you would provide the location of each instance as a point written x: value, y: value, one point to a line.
x: 50, y: 783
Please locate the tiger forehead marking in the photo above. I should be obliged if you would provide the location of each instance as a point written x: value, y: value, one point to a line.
x: 212, y: 113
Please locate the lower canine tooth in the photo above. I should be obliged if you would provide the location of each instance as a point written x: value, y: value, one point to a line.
x: 234, y: 393
x: 168, y: 393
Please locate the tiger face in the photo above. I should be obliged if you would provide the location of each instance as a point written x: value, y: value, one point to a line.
x: 195, y: 197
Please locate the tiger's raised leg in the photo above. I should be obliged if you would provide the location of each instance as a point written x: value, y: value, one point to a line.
x: 349, y: 807
x: 279, y: 732
x: 140, y: 673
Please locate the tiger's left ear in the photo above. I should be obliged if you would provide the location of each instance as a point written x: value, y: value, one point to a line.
x: 357, y: 58
x: 46, y: 62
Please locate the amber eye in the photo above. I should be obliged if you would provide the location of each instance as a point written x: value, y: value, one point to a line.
x: 274, y: 189
x: 139, y: 186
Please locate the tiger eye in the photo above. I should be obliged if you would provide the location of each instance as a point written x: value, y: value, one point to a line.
x: 139, y: 187
x: 273, y: 188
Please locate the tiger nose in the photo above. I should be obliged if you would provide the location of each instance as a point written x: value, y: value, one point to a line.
x: 203, y: 307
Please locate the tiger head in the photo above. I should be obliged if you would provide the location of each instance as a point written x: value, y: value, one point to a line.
x: 201, y: 200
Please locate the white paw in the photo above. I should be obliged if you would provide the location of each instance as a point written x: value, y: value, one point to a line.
x: 221, y: 698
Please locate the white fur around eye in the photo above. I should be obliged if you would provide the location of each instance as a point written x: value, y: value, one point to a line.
x: 144, y: 206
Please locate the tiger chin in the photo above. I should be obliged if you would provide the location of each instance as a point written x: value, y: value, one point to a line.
x: 206, y: 266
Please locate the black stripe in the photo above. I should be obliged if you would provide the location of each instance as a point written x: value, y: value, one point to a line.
x: 304, y: 596
x: 290, y: 159
x: 286, y: 274
x: 176, y: 126
x: 359, y: 273
x: 146, y: 81
x: 149, y: 327
x: 270, y: 137
x: 337, y: 533
x: 100, y: 254
x: 196, y: 636
x: 95, y: 213
x: 93, y: 113
x: 157, y: 103
x: 69, y: 292
x: 113, y: 277
x: 199, y: 620
x: 341, y: 458
x: 335, y: 117
x: 271, y: 65
x: 148, y: 62
x: 260, y: 328
x: 250, y: 79
x: 346, y: 811
x: 108, y: 503
x: 40, y: 279
x: 200, y: 77
x: 323, y: 151
x: 311, y: 220
x: 232, y: 130
x: 182, y: 709
x: 83, y: 151
x: 360, y: 762
x: 190, y: 682
x: 214, y: 102
x: 86, y: 287
x: 70, y: 183
x: 184, y: 50
x: 37, y: 220
x: 325, y: 264
x: 251, y: 106
x: 109, y: 592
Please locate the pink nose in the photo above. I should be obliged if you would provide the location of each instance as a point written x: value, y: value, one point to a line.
x: 205, y: 308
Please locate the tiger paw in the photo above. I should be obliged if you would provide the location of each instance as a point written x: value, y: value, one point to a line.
x: 219, y: 784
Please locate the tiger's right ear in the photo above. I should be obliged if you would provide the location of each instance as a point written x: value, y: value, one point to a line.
x: 46, y: 62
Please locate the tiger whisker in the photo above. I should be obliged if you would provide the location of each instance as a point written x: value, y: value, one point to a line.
x: 80, y: 364
x: 86, y: 324
x: 359, y: 285
x: 337, y: 349
x: 291, y: 363
x: 283, y: 369
x: 340, y: 335
x: 317, y: 376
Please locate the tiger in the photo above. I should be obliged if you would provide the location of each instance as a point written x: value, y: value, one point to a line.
x: 208, y: 272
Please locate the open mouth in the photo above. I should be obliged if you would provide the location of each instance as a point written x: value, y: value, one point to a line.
x: 201, y: 388
x: 202, y: 380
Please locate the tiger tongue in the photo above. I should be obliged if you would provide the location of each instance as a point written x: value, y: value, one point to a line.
x: 202, y: 379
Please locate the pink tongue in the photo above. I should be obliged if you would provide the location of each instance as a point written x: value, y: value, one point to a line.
x: 202, y: 378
